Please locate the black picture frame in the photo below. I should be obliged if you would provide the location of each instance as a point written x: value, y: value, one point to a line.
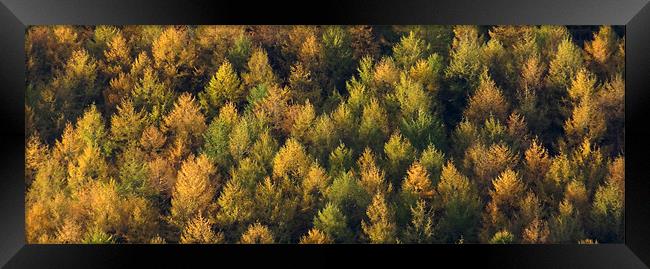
x: 15, y: 15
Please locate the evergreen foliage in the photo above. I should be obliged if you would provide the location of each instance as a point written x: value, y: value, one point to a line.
x: 324, y: 134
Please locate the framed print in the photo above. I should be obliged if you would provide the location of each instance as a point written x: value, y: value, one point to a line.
x: 168, y: 133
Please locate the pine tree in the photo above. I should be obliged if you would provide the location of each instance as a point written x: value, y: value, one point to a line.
x: 199, y: 231
x: 259, y: 71
x: 381, y: 227
x: 423, y: 130
x: 602, y: 50
x: 314, y: 186
x: 224, y: 86
x: 504, y: 209
x: 608, y: 209
x: 611, y: 103
x: 400, y: 154
x: 386, y: 74
x: 36, y: 154
x: 323, y: 136
x: 263, y: 150
x: 565, y: 225
x: 485, y: 163
x: 488, y: 100
x: 273, y: 108
x: 337, y: 56
x: 127, y: 124
x: 347, y: 194
x: 117, y: 55
x: 152, y: 139
x: 421, y: 228
x: 536, y: 164
x: 217, y: 140
x: 346, y: 123
x: 411, y: 97
x: 432, y: 160
x: 586, y: 120
x: 340, y: 160
x: 240, y: 51
x: 276, y: 203
x: 303, y: 85
x: 291, y: 161
x: 465, y: 135
x: 152, y: 95
x: 141, y: 219
x: 428, y: 73
x: 537, y: 232
x: 333, y: 223
x: 193, y: 191
x: 235, y: 205
x: 162, y: 176
x: 502, y: 237
x: 459, y: 203
x: 134, y: 171
x: 417, y: 182
x: 374, y: 127
x: 185, y: 122
x: 303, y: 122
x: 410, y: 49
x: 257, y: 234
x: 175, y: 56
x: 372, y: 177
x: 465, y: 55
x: 77, y: 83
x: 315, y: 236
x: 363, y: 41
x: 91, y: 131
x: 241, y: 138
x: 89, y: 166
x: 565, y: 64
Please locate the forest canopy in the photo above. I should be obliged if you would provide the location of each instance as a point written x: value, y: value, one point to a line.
x: 324, y: 134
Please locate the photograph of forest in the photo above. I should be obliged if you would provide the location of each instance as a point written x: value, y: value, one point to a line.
x: 324, y: 134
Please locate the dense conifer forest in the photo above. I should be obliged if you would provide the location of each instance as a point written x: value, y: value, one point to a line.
x: 324, y: 134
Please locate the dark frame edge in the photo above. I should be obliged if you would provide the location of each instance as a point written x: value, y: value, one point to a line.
x: 12, y: 42
x: 636, y: 241
x: 636, y: 99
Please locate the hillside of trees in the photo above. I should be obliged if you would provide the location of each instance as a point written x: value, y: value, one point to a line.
x: 324, y: 134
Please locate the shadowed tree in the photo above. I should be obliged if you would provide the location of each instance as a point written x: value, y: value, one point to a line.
x: 399, y: 154
x: 174, y: 56
x: 315, y: 236
x: 504, y: 210
x: 608, y: 210
x: 602, y: 56
x: 333, y: 223
x: 127, y: 124
x: 259, y: 71
x: 459, y: 204
x: 235, y: 207
x: 374, y: 126
x: 565, y: 225
x: 421, y: 229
